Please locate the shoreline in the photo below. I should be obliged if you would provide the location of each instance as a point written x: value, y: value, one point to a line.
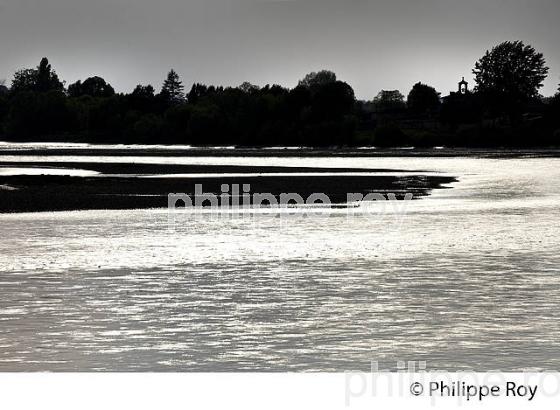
x: 171, y: 151
x: 147, y: 169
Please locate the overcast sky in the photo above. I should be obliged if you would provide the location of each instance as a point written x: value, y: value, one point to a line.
x: 371, y: 44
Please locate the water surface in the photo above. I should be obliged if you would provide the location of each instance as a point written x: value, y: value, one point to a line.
x: 466, y: 279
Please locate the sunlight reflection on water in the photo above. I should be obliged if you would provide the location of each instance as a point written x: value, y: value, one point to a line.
x: 10, y: 171
x: 468, y: 279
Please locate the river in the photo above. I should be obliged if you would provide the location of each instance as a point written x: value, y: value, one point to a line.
x: 467, y: 278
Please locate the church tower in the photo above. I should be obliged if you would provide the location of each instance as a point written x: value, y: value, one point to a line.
x: 463, y: 87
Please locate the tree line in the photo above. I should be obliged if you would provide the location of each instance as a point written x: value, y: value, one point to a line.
x: 504, y: 109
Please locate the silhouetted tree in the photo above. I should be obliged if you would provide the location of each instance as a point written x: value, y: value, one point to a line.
x: 143, y: 99
x: 274, y: 89
x: 247, y: 87
x: 145, y: 91
x: 320, y: 111
x: 389, y: 101
x: 47, y: 79
x: 512, y: 68
x: 422, y: 99
x: 172, y: 89
x: 24, y: 80
x: 318, y: 78
x: 330, y: 114
x: 40, y: 79
x: 509, y: 76
x: 333, y: 100
x: 296, y: 102
x: 93, y: 86
x: 196, y: 93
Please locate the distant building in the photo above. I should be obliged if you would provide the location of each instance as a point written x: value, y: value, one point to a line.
x: 463, y: 87
x: 463, y: 90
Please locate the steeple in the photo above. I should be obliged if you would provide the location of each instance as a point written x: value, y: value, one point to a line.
x: 463, y: 86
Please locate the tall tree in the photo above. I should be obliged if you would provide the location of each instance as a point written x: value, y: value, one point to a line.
x: 40, y: 79
x: 172, y: 89
x: 47, y: 79
x: 422, y: 99
x: 511, y: 70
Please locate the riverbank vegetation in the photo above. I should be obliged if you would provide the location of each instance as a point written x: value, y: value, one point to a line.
x: 503, y: 109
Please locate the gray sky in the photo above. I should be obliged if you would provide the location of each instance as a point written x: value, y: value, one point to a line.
x: 371, y: 44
